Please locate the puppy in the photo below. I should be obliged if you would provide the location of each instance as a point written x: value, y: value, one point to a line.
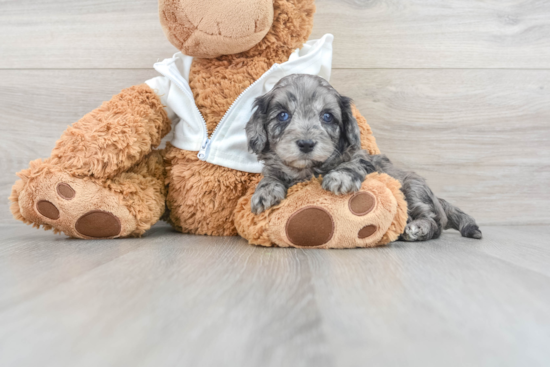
x: 303, y: 127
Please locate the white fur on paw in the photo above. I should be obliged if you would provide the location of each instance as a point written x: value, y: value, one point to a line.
x: 412, y: 232
x: 416, y: 231
x: 340, y: 183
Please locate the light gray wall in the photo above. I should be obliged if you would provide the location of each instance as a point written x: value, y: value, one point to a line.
x: 458, y: 91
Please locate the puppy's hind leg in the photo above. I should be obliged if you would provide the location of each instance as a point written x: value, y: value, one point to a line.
x: 460, y: 221
x: 426, y: 217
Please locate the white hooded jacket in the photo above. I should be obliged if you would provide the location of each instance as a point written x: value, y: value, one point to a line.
x: 227, y: 146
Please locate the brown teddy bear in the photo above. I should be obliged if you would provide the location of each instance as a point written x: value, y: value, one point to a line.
x: 105, y: 179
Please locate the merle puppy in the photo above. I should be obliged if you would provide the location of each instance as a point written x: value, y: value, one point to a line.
x: 304, y: 128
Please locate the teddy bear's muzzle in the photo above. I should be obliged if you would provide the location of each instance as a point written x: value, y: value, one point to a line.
x: 211, y: 28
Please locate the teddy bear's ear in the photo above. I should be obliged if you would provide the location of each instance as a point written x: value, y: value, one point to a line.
x: 255, y: 128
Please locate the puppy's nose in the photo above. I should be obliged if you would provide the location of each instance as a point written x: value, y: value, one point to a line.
x: 306, y: 146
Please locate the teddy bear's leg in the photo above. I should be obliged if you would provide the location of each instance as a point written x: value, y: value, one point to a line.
x: 122, y: 206
x: 103, y: 179
x: 313, y: 217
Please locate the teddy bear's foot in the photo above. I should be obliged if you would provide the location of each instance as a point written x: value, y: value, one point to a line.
x: 311, y: 217
x: 122, y: 206
x: 314, y: 226
x: 77, y: 207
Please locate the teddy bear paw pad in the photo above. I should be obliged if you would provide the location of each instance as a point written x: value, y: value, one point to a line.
x: 310, y: 227
x: 367, y: 231
x: 47, y: 209
x: 98, y: 224
x: 65, y: 191
x: 362, y: 203
x: 80, y: 208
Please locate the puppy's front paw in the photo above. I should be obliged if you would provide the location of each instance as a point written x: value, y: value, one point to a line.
x: 265, y: 197
x: 341, y: 183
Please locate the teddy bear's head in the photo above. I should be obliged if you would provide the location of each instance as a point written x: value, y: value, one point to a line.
x: 212, y: 28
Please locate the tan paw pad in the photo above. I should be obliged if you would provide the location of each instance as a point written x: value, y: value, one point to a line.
x: 47, y: 209
x: 98, y: 224
x: 310, y: 227
x: 65, y: 191
x: 367, y: 231
x: 362, y: 203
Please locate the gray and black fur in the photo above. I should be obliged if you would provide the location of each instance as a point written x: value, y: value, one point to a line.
x: 428, y: 215
x: 303, y: 127
x: 320, y: 136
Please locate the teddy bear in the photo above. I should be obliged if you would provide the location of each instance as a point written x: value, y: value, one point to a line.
x: 106, y: 177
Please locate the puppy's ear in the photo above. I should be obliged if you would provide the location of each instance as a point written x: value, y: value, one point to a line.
x: 351, y: 135
x: 255, y: 128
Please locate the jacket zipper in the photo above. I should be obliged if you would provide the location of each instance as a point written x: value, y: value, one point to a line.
x: 205, y: 145
x: 177, y: 79
x: 222, y: 121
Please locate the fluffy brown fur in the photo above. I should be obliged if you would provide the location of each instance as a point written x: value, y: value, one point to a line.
x: 107, y: 158
x: 202, y: 197
x: 108, y: 155
x: 114, y: 137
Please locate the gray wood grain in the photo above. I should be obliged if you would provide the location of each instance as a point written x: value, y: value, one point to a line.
x: 480, y: 137
x: 437, y: 34
x: 369, y: 34
x: 172, y: 299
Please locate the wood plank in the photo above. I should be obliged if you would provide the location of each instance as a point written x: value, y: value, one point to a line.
x: 84, y: 34
x: 529, y: 253
x: 55, y: 259
x: 437, y: 34
x: 173, y: 299
x: 480, y: 137
x: 436, y: 303
x: 369, y: 34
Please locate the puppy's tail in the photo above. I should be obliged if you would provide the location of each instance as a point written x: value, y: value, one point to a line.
x: 460, y: 221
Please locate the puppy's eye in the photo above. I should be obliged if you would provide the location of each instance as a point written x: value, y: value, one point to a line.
x: 283, y: 116
x: 327, y: 117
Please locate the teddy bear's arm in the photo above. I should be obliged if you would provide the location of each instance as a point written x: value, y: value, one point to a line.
x: 115, y: 136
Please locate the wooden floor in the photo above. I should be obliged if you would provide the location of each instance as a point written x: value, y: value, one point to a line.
x: 457, y: 90
x: 173, y: 299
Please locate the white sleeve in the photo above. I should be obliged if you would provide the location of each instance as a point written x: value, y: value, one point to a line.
x: 161, y: 86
